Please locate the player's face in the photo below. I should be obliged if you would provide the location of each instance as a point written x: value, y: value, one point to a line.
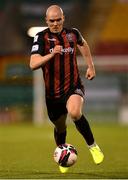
x: 55, y: 20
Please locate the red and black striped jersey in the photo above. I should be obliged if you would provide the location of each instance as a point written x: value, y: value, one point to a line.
x: 61, y: 72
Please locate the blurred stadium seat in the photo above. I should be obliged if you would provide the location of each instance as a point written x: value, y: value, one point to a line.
x: 113, y: 39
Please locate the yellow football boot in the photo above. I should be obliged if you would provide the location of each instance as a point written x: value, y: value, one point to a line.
x: 97, y: 154
x: 63, y: 169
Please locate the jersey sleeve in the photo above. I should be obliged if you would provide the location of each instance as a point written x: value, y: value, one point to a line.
x: 80, y: 39
x: 38, y: 44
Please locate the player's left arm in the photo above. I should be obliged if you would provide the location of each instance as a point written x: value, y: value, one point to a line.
x: 85, y: 51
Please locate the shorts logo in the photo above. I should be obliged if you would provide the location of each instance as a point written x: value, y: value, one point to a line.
x: 79, y: 92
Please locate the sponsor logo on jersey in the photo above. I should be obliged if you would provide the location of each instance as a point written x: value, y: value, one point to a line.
x: 64, y: 50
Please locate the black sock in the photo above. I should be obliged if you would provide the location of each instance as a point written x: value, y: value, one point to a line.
x: 60, y: 138
x: 83, y: 127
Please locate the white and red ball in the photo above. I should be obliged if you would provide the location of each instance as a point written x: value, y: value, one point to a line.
x: 65, y: 155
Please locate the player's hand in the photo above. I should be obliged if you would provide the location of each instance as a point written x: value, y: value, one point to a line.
x: 57, y: 49
x: 90, y: 74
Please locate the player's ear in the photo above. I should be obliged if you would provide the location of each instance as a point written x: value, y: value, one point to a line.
x: 63, y: 18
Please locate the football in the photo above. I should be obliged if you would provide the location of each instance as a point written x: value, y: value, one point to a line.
x: 65, y: 155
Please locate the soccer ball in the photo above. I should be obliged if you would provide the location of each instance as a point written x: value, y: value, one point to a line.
x: 65, y: 155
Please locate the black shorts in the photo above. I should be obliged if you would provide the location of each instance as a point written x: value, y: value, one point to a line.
x: 57, y: 107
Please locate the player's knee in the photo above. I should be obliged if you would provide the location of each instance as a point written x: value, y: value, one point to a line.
x: 74, y: 114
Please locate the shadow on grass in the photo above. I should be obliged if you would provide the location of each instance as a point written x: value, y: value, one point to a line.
x: 57, y: 175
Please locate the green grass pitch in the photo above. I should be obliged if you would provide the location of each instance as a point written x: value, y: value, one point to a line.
x: 26, y: 152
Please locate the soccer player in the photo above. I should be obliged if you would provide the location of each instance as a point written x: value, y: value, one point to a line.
x: 54, y: 50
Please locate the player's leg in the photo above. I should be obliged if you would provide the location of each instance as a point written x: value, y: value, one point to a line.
x: 60, y: 135
x: 57, y: 113
x: 60, y: 130
x: 74, y: 107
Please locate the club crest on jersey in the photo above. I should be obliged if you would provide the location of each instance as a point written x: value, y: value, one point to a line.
x: 69, y: 37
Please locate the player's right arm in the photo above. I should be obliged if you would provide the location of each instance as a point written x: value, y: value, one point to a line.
x: 37, y: 58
